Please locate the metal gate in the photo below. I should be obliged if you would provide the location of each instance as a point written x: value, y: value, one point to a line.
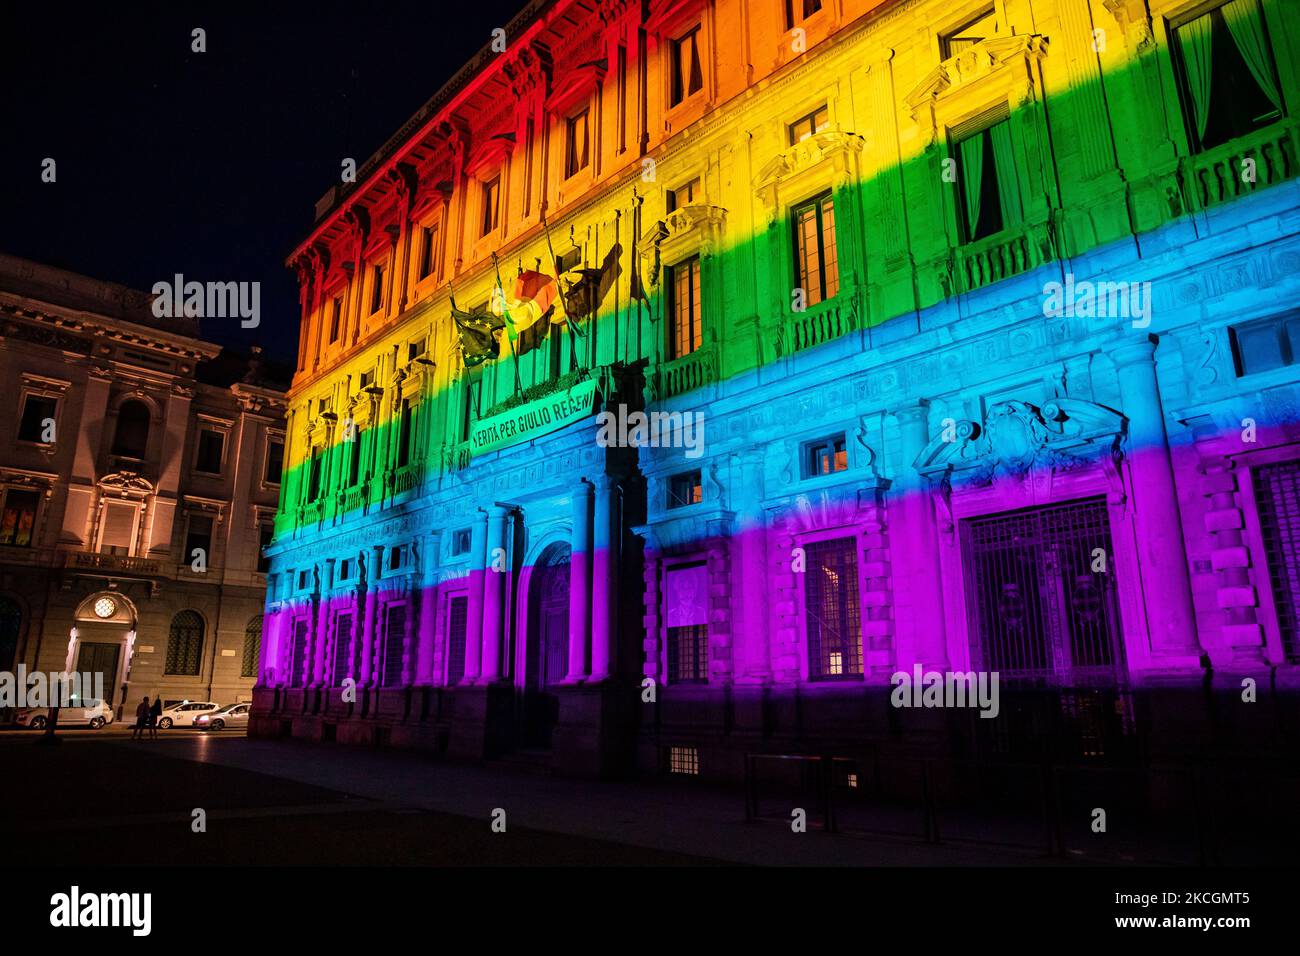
x: 1277, y: 497
x: 1041, y: 593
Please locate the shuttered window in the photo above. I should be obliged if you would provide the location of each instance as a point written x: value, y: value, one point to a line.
x: 394, y: 644
x: 252, y: 647
x: 118, y: 533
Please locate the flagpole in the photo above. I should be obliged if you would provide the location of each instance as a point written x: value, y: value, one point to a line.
x: 591, y: 310
x: 564, y: 301
x: 618, y: 233
x: 510, y: 324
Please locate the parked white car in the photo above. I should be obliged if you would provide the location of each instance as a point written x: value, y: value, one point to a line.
x: 232, y: 715
x: 90, y: 713
x: 185, y: 713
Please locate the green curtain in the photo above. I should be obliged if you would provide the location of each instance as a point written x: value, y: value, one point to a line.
x: 972, y: 177
x: 1247, y: 29
x: 1194, y: 38
x: 1004, y: 165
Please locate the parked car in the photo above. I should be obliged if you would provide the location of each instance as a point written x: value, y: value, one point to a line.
x: 185, y: 713
x: 90, y: 713
x: 232, y: 715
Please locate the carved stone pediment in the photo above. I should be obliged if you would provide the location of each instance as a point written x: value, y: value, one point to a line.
x: 126, y: 483
x: 683, y: 231
x: 830, y: 151
x: 1016, y: 438
x: 973, y: 64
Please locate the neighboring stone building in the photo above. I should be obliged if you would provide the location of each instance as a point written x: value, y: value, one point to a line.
x: 988, y: 310
x: 131, y: 444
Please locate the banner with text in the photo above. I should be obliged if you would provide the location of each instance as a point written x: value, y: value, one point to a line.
x: 533, y: 419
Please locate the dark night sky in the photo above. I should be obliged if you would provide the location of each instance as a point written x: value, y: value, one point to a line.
x: 208, y: 164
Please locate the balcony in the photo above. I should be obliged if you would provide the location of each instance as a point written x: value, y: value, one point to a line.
x: 997, y: 257
x: 112, y: 563
x: 821, y: 323
x: 1218, y: 175
x: 685, y: 374
x: 407, y: 478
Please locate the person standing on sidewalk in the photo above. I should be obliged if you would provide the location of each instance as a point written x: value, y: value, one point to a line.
x: 141, y: 719
x: 154, y: 713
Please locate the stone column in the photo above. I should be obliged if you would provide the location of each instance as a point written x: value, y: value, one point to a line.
x: 368, y: 621
x: 579, y: 585
x: 320, y: 646
x: 474, y: 608
x: 426, y: 633
x: 604, y: 576
x: 752, y: 648
x: 915, y: 545
x: 494, y: 593
x: 1161, y: 553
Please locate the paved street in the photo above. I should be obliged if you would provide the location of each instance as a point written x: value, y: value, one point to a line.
x: 100, y: 797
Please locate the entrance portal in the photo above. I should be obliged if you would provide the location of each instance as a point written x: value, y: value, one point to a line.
x: 99, y: 660
x: 548, y: 645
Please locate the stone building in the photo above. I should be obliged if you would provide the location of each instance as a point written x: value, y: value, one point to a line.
x: 132, y: 445
x: 983, y: 309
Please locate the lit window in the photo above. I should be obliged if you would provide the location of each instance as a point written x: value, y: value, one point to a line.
x: 685, y: 490
x: 684, y: 307
x: 18, y: 517
x: 1226, y: 75
x: 105, y: 607
x: 688, y: 74
x: 684, y: 195
x: 825, y: 457
x: 969, y: 33
x: 832, y: 616
x: 688, y: 654
x: 816, y: 256
x: 806, y: 126
x: 577, y: 144
x: 684, y: 760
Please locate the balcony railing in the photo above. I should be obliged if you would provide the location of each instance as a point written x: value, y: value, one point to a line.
x: 354, y: 499
x: 1222, y: 174
x: 408, y: 478
x: 994, y: 258
x: 686, y: 374
x: 111, y: 562
x: 822, y: 323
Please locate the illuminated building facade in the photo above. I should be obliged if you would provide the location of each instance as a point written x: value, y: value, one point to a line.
x: 984, y: 311
x: 132, y: 445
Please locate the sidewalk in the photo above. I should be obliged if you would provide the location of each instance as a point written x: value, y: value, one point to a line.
x: 673, y: 816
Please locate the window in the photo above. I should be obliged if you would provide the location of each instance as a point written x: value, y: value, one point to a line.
x: 298, y: 654
x: 404, y: 435
x: 491, y: 206
x: 394, y: 644
x: 825, y: 457
x: 473, y: 389
x: 304, y: 580
x: 397, y: 558
x: 460, y: 542
x: 314, y: 476
x: 117, y: 530
x: 274, y: 462
x: 37, y: 409
x: 336, y: 318
x: 345, y: 569
x: 816, y: 257
x: 131, y: 439
x: 1267, y: 344
x: 198, y: 536
x: 212, y: 445
x: 684, y: 760
x: 688, y: 654
x: 343, y: 658
x: 688, y: 74
x: 1226, y: 75
x: 428, y: 250
x: 457, y: 626
x: 367, y: 379
x: 185, y: 644
x: 684, y: 307
x: 377, y: 287
x: 969, y: 33
x: 805, y: 126
x: 577, y: 145
x: 415, y: 350
x: 685, y: 195
x: 568, y: 261
x: 1277, y: 498
x: 18, y: 518
x: 265, y: 535
x: 831, y: 609
x: 354, y: 458
x: 988, y: 189
x: 252, y: 647
x: 685, y: 489
x: 797, y: 11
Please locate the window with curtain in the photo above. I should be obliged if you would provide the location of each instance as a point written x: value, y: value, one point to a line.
x: 252, y: 647
x: 688, y: 72
x: 131, y: 438
x: 578, y: 148
x: 1227, y: 76
x: 988, y: 185
x: 491, y: 206
x: 336, y: 318
x: 428, y: 250
x: 185, y: 644
x: 684, y: 307
x: 816, y: 258
x: 18, y: 517
x: 832, y: 616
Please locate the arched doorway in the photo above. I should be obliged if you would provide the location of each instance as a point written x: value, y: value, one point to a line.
x: 104, y: 626
x: 547, y: 660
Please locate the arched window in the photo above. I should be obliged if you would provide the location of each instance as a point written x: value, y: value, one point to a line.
x: 11, y: 620
x: 185, y: 644
x: 132, y: 436
x: 252, y: 647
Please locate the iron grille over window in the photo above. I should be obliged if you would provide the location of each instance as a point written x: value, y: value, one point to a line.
x: 832, y: 609
x: 185, y: 644
x: 1277, y: 497
x: 816, y: 258
x: 252, y: 647
x: 298, y: 655
x: 1037, y: 606
x: 688, y: 654
x: 457, y: 621
x: 342, y: 650
x: 684, y: 760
